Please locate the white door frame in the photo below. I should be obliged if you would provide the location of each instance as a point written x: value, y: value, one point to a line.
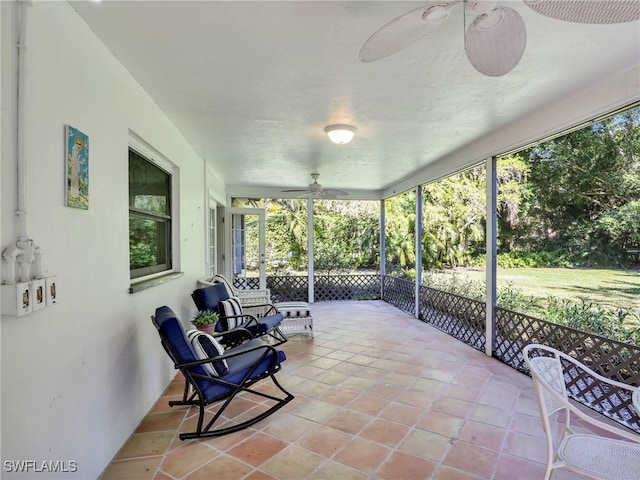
x: 229, y: 243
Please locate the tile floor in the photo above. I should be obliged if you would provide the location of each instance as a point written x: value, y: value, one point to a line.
x: 379, y: 395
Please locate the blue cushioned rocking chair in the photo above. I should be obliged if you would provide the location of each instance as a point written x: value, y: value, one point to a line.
x: 216, y: 299
x: 219, y: 378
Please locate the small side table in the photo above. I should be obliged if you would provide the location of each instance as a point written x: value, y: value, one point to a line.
x: 297, y: 318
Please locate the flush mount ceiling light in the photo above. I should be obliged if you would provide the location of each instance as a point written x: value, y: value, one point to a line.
x: 340, y: 134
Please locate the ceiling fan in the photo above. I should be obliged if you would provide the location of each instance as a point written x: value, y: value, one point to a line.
x: 496, y: 38
x: 315, y: 190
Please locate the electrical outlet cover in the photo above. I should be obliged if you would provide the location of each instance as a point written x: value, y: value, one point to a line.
x: 37, y: 292
x: 50, y: 290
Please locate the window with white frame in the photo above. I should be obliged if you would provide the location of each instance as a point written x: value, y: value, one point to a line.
x: 150, y: 229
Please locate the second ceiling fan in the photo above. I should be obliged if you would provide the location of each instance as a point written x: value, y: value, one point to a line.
x: 315, y: 190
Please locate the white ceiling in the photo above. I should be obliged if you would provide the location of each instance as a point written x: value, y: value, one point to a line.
x: 251, y: 85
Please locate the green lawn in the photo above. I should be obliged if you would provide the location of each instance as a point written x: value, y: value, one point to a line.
x: 617, y: 288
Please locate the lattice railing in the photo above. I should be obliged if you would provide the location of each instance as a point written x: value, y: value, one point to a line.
x: 289, y: 288
x: 326, y: 287
x: 460, y: 317
x: 346, y: 287
x: 400, y: 293
x: 610, y: 401
x: 246, y: 283
x: 611, y: 359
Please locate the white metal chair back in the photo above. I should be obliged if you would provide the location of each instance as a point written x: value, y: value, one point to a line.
x: 586, y: 453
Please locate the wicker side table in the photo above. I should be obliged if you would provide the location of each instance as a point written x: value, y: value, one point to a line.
x: 297, y: 318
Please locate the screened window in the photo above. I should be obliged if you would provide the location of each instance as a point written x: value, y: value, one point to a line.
x: 149, y: 217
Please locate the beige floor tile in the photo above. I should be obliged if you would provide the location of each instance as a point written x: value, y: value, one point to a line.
x: 134, y: 469
x: 146, y: 444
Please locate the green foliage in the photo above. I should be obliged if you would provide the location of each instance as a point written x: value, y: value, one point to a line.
x: 141, y: 255
x: 329, y: 258
x: 400, y: 231
x: 618, y: 323
x: 513, y: 298
x: 454, y: 283
x: 204, y: 318
x: 346, y: 234
x: 143, y: 236
x: 287, y: 234
x: 522, y: 259
x: 453, y: 212
x: 615, y: 323
x: 585, y: 187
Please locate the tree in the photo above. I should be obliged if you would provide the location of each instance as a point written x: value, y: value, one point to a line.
x: 400, y: 232
x: 575, y: 180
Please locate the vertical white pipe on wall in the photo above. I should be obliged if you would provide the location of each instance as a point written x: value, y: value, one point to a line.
x: 383, y: 248
x: 310, y: 248
x: 418, y: 246
x: 491, y: 236
x: 21, y: 209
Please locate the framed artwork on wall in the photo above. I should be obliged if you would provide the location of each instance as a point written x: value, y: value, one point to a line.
x: 77, y: 163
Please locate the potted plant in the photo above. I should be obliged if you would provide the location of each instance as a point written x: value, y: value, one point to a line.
x: 206, y: 321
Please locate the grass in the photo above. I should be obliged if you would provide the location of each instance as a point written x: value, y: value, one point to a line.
x: 613, y: 288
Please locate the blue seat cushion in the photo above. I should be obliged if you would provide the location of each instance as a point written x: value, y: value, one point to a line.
x: 267, y: 323
x: 240, y: 365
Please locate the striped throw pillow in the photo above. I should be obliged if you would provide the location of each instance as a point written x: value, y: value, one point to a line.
x: 206, y: 346
x: 232, y: 307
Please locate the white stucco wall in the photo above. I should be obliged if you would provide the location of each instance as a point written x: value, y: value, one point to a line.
x: 78, y: 377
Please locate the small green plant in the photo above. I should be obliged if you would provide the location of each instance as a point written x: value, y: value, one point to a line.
x: 204, y: 318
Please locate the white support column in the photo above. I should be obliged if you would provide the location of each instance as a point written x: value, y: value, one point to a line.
x: 383, y: 248
x: 491, y: 237
x: 418, y: 246
x: 310, y: 248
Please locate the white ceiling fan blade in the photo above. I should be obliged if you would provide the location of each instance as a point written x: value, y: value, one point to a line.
x: 588, y: 11
x: 334, y: 192
x: 495, y: 41
x: 405, y: 30
x: 295, y: 190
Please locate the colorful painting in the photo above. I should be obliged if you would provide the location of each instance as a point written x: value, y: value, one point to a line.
x: 77, y: 153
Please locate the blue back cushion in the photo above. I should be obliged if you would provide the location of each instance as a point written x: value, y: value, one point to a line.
x: 175, y: 338
x: 209, y: 298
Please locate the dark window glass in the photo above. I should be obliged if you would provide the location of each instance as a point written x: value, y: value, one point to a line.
x: 149, y: 217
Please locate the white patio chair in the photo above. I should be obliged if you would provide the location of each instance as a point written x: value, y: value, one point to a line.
x: 588, y: 454
x: 297, y: 315
x: 252, y: 300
